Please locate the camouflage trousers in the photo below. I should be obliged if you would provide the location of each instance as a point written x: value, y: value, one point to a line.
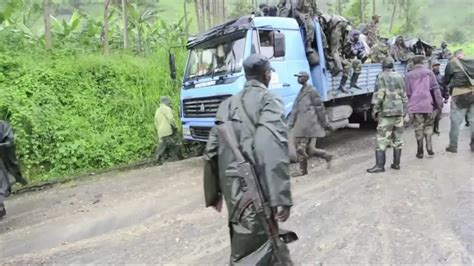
x: 390, y: 132
x: 423, y: 124
x: 304, y: 149
x: 351, y: 64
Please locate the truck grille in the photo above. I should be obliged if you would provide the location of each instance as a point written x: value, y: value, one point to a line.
x: 203, y: 107
x: 200, y: 133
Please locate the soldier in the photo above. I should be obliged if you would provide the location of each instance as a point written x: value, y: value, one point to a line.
x: 444, y: 92
x: 336, y: 29
x: 9, y: 165
x: 308, y: 121
x: 444, y: 53
x: 353, y: 61
x: 379, y: 52
x: 372, y: 31
x: 399, y: 51
x: 459, y: 76
x: 166, y: 129
x: 424, y: 101
x: 389, y: 101
x: 304, y: 12
x: 284, y: 9
x: 256, y: 117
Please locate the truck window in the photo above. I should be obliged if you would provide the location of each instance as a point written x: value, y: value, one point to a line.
x: 265, y: 43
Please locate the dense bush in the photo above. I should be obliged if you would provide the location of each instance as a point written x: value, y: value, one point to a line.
x: 73, y: 112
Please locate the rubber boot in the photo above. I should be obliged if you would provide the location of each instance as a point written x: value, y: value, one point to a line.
x: 3, y: 212
x: 436, y: 126
x: 452, y: 149
x: 343, y: 84
x: 429, y: 144
x: 379, y: 163
x: 354, y: 79
x: 420, y: 151
x: 304, y: 166
x: 397, y: 154
x: 472, y: 144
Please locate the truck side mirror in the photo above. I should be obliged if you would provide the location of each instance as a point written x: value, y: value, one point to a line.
x: 172, y: 65
x: 279, y: 44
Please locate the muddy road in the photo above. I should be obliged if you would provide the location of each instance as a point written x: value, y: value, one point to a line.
x: 423, y: 213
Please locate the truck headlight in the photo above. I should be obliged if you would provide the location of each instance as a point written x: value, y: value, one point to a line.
x: 186, y: 131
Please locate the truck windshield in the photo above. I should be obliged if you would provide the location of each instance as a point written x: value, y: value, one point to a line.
x: 217, y: 57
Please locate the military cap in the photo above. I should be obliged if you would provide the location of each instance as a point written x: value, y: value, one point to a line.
x: 257, y: 64
x: 435, y: 62
x: 376, y: 16
x: 302, y: 74
x: 388, y: 62
x: 164, y: 100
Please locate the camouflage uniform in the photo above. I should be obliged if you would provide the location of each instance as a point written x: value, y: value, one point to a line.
x: 378, y: 52
x: 423, y: 124
x: 351, y: 64
x: 304, y: 12
x: 389, y: 102
x: 372, y: 32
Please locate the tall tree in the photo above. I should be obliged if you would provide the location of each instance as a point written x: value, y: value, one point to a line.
x: 374, y: 9
x: 362, y: 11
x: 48, y: 40
x: 105, y: 30
x: 125, y: 24
x: 394, y: 11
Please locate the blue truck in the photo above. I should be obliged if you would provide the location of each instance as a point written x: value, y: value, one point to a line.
x: 214, y: 71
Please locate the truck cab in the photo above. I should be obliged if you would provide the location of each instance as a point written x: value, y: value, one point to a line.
x: 214, y: 72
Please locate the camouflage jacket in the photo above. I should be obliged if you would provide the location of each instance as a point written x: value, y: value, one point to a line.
x: 372, y: 33
x: 389, y: 97
x: 378, y: 52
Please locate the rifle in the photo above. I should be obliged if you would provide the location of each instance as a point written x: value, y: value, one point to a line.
x: 252, y: 191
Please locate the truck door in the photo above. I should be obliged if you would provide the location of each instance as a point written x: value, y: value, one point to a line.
x: 283, y: 83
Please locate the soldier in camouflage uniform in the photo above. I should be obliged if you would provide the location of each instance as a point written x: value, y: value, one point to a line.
x: 389, y: 102
x: 308, y: 121
x: 372, y: 31
x: 379, y: 52
x: 353, y: 59
x: 304, y: 12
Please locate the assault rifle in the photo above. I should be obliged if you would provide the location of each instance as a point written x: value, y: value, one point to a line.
x: 252, y: 191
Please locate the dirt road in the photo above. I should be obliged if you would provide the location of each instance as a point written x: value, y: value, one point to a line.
x: 421, y: 214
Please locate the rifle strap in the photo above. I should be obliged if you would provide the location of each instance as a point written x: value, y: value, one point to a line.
x: 458, y: 63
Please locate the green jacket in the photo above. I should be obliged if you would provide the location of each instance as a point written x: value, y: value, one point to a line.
x: 263, y: 141
x: 389, y: 97
x: 164, y: 121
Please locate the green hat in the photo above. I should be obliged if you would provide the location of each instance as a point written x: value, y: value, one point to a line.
x: 257, y: 64
x: 388, y: 62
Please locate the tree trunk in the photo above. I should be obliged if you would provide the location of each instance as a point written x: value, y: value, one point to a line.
x: 408, y: 16
x: 394, y: 11
x: 105, y: 48
x: 339, y: 7
x: 186, y: 18
x: 208, y: 14
x: 48, y: 40
x: 374, y: 9
x: 125, y: 24
x: 197, y: 5
x: 223, y: 11
x: 362, y: 11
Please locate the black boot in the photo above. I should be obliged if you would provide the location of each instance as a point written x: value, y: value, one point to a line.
x: 472, y: 144
x: 343, y: 84
x: 419, y: 152
x: 397, y: 154
x: 354, y: 79
x: 303, y: 166
x: 436, y: 127
x: 429, y: 145
x: 379, y: 163
x: 3, y: 212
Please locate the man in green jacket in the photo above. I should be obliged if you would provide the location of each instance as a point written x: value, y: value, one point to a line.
x: 390, y: 102
x: 166, y: 129
x: 257, y: 118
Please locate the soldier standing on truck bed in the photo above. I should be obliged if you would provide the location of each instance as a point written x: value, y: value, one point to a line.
x: 246, y: 162
x: 389, y: 102
x: 371, y: 30
x: 308, y: 121
x: 336, y: 28
x: 379, y: 51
